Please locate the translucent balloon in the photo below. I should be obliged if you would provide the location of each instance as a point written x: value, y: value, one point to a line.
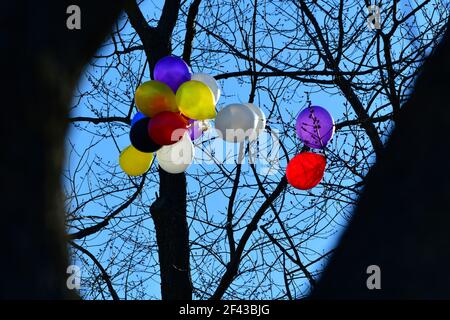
x: 173, y: 71
x: 210, y: 82
x: 196, y: 128
x: 306, y: 170
x: 140, y: 138
x: 178, y: 157
x: 261, y: 122
x: 315, y: 127
x: 166, y: 128
x: 196, y: 100
x: 236, y: 122
x: 153, y: 97
x: 133, y: 162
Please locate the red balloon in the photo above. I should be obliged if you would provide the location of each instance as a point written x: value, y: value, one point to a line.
x: 305, y: 170
x: 167, y: 128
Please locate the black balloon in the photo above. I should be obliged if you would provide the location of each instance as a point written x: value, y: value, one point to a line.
x: 140, y: 139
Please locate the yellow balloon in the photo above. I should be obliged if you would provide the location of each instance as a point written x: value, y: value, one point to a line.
x: 153, y: 97
x: 196, y: 100
x: 134, y: 162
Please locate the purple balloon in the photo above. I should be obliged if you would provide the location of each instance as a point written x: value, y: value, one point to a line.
x: 315, y: 127
x: 138, y: 116
x: 173, y: 71
x: 195, y: 131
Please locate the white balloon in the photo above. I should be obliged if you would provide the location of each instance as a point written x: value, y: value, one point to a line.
x: 261, y: 123
x: 210, y: 82
x: 176, y: 158
x: 236, y: 122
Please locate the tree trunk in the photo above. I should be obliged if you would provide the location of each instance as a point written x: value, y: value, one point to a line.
x: 169, y: 209
x: 172, y: 233
x: 401, y: 223
x: 42, y: 63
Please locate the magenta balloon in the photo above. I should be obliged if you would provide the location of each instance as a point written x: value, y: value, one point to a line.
x: 195, y: 131
x: 173, y: 71
x: 315, y: 127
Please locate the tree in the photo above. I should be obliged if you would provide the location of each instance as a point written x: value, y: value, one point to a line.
x: 271, y: 52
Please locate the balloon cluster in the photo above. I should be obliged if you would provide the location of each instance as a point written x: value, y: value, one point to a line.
x: 315, y: 127
x: 173, y: 109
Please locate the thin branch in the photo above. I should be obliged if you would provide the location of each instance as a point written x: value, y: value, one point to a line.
x: 233, y: 265
x: 97, y: 227
x: 105, y: 275
x: 100, y: 120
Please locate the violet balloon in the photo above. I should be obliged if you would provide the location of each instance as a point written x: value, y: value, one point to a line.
x: 195, y: 129
x: 315, y: 127
x: 172, y: 71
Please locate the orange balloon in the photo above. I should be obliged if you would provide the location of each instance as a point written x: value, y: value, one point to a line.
x: 153, y: 97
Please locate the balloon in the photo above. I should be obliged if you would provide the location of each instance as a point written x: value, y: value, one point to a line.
x: 173, y: 71
x: 236, y: 122
x: 196, y: 128
x: 153, y: 97
x: 133, y: 162
x: 177, y: 157
x: 138, y: 116
x: 305, y: 170
x: 196, y: 100
x: 210, y: 82
x: 140, y: 139
x: 166, y: 128
x: 261, y: 122
x: 315, y: 127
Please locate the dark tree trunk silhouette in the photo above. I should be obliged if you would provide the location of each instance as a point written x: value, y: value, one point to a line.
x: 42, y: 62
x: 172, y: 232
x: 401, y: 223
